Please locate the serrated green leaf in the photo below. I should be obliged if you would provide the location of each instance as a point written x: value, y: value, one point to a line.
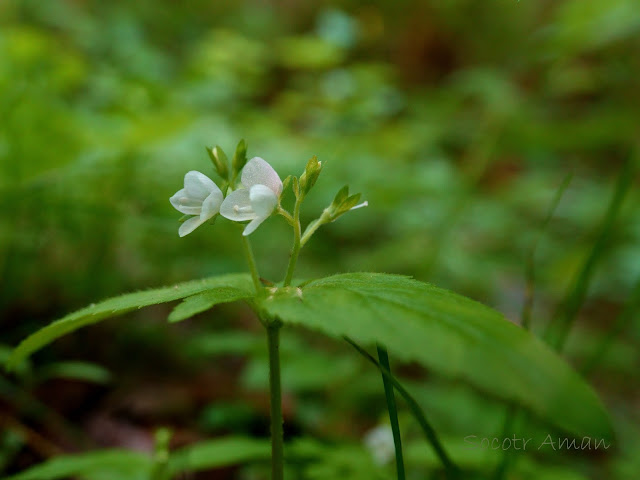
x: 451, y: 334
x: 201, y: 302
x: 100, y: 465
x: 118, y: 306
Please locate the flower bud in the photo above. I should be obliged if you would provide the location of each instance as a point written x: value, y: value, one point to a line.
x: 310, y: 175
x: 239, y: 157
x: 219, y: 159
x: 343, y: 202
x: 286, y: 182
x: 296, y: 186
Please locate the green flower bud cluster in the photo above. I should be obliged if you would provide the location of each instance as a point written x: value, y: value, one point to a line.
x: 221, y: 162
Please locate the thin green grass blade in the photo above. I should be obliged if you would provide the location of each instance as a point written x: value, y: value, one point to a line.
x: 627, y: 315
x: 451, y: 470
x: 513, y: 413
x: 383, y: 358
x: 559, y: 328
x: 530, y: 274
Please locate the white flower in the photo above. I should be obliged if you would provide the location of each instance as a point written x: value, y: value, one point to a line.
x: 379, y: 441
x: 200, y: 197
x: 257, y: 198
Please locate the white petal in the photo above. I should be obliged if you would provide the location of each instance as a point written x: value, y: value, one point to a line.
x: 237, y: 206
x: 253, y: 224
x: 190, y: 225
x: 263, y: 200
x: 211, y: 205
x: 198, y: 185
x: 258, y: 172
x: 363, y: 204
x: 184, y: 204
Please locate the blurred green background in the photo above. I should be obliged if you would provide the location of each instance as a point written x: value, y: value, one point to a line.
x: 457, y: 120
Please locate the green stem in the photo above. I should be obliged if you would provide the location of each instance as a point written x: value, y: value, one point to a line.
x: 277, y: 449
x: 295, y: 251
x: 288, y: 217
x: 383, y: 358
x: 313, y: 226
x: 248, y: 252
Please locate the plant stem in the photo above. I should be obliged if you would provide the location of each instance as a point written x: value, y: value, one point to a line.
x: 277, y: 450
x: 295, y: 251
x: 383, y: 358
x: 248, y: 252
x: 288, y: 217
x: 324, y: 218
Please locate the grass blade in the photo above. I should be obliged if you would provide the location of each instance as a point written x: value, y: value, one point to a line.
x: 530, y: 265
x: 383, y: 358
x: 559, y: 328
x: 451, y: 470
x: 632, y: 306
x: 514, y: 414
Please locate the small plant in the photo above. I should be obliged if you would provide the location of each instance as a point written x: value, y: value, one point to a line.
x: 415, y: 321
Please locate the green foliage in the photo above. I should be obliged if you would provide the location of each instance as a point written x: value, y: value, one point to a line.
x: 201, y: 302
x: 125, y: 465
x: 99, y: 465
x: 453, y: 335
x: 126, y: 303
x: 457, y: 119
x: 219, y: 453
x: 85, y: 371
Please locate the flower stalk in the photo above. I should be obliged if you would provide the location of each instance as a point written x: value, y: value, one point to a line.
x: 315, y: 225
x: 275, y: 388
x: 295, y: 251
x: 248, y: 253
